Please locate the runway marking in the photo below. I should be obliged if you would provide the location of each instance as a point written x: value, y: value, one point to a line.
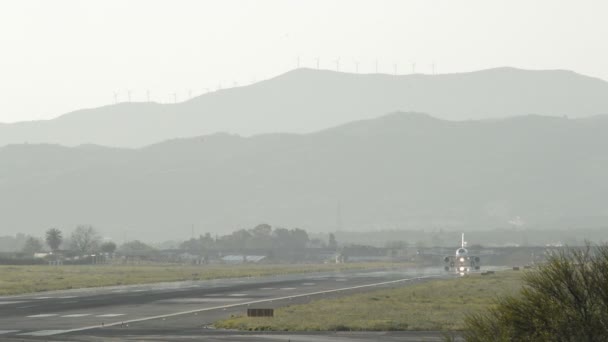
x: 138, y: 290
x: 237, y: 295
x: 42, y: 315
x: 13, y: 302
x: 42, y: 333
x: 76, y: 315
x: 308, y: 284
x: 43, y: 298
x: 110, y: 315
x: 67, y: 297
x: 288, y: 288
x: 27, y: 306
x: 341, y: 279
x: 268, y: 288
x: 69, y: 302
x: 240, y: 304
x: 3, y: 332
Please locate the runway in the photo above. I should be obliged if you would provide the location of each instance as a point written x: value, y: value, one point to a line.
x: 174, y: 311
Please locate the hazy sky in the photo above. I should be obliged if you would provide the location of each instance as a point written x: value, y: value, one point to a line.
x: 58, y: 56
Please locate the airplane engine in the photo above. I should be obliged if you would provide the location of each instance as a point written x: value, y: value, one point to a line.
x: 476, y: 259
x: 446, y: 259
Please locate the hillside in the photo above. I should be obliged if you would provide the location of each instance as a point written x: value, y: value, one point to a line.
x: 306, y: 100
x: 403, y: 170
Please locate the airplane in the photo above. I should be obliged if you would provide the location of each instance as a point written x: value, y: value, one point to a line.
x: 461, y: 262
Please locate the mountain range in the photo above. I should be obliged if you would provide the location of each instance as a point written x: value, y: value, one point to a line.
x: 401, y: 170
x: 307, y: 100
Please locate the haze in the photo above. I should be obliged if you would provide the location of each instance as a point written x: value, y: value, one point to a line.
x: 62, y: 56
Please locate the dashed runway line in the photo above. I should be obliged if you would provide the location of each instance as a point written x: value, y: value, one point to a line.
x: 12, y: 302
x: 110, y: 315
x: 268, y: 288
x: 27, y: 306
x: 4, y: 332
x: 42, y: 333
x: 288, y: 288
x: 237, y: 295
x: 308, y: 284
x: 42, y: 315
x: 76, y: 315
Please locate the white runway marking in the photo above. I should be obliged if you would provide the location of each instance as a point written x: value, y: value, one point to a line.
x: 110, y: 315
x: 76, y: 315
x: 3, y: 332
x: 237, y: 295
x: 268, y: 288
x: 27, y: 306
x: 14, y: 302
x: 202, y: 300
x: 341, y: 279
x: 42, y: 315
x: 288, y: 288
x: 43, y: 333
x: 138, y: 290
x: 43, y: 298
x: 308, y: 284
x: 66, y: 297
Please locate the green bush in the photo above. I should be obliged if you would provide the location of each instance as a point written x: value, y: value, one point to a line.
x: 565, y: 299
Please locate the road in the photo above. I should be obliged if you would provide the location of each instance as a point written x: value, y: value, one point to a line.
x: 173, y: 311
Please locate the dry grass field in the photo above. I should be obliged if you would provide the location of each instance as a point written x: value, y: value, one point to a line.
x: 27, y: 279
x: 433, y: 305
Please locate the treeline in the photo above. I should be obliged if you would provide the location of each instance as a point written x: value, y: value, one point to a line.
x: 261, y: 237
x: 85, y: 240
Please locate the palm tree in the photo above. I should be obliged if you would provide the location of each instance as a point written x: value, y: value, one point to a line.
x: 54, y: 238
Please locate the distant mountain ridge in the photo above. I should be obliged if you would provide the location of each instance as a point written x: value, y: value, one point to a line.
x: 306, y: 100
x: 403, y: 170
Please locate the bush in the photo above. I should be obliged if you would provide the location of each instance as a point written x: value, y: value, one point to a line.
x: 565, y: 299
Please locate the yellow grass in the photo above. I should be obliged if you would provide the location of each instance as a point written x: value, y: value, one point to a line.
x: 433, y: 305
x: 26, y: 279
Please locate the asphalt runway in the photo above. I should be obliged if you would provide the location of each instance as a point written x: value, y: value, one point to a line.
x: 186, y: 310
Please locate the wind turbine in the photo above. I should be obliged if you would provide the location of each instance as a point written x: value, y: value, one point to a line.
x: 115, y: 97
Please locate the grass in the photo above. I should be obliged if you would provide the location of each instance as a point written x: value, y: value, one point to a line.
x: 27, y: 279
x: 433, y: 305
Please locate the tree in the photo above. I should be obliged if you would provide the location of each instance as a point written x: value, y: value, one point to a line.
x: 136, y: 248
x: 54, y: 238
x: 84, y: 239
x: 108, y: 247
x: 32, y: 245
x: 565, y: 299
x: 333, y: 244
